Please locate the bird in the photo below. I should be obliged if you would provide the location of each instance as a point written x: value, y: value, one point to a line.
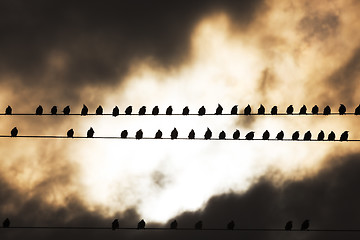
x: 191, y: 134
x: 247, y: 110
x: 90, y: 133
x: 14, y: 132
x: 139, y: 134
x: 8, y: 110
x: 53, y: 110
x: 155, y: 110
x: 124, y: 134
x: 142, y: 110
x: 222, y: 135
x: 39, y: 110
x: 303, y: 110
x: 198, y: 225
x: 357, y: 110
x: 185, y: 111
x: 115, y: 111
x: 307, y: 136
x: 70, y: 133
x: 236, y: 134
x: 305, y: 225
x: 99, y: 110
x: 231, y: 225
x: 288, y: 226
x: 219, y: 110
x: 315, y: 110
x: 234, y: 110
x: 6, y: 223
x: 290, y: 109
x: 295, y: 135
x: 261, y: 110
x: 274, y: 110
x: 174, y: 134
x: 158, y: 134
x: 202, y: 111
x: 344, y: 136
x: 331, y: 136
x: 321, y: 136
x: 84, y: 110
x: 250, y: 135
x: 342, y: 109
x: 115, y: 224
x: 141, y: 224
x: 169, y: 110
x: 66, y: 110
x: 266, y: 135
x: 208, y: 134
x: 280, y: 135
x: 173, y: 224
x: 128, y: 110
x: 327, y: 110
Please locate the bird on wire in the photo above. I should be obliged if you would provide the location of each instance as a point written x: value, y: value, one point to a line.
x: 158, y: 134
x: 307, y: 136
x: 208, y: 134
x: 115, y: 225
x: 173, y: 224
x: 169, y: 110
x: 84, y: 110
x: 288, y: 226
x: 198, y: 225
x: 234, y: 110
x: 124, y: 134
x: 115, y: 111
x: 202, y: 111
x: 344, y: 136
x: 303, y: 110
x: 280, y: 135
x: 247, y: 110
x: 261, y: 110
x: 14, y: 132
x: 53, y: 110
x: 141, y: 224
x: 142, y: 110
x: 99, y: 110
x: 305, y: 225
x: 327, y: 110
x: 315, y: 110
x: 39, y: 110
x: 128, y: 110
x: 342, y: 109
x: 357, y: 110
x: 174, y: 134
x: 230, y: 225
x: 219, y: 110
x: 274, y: 110
x: 222, y: 135
x: 331, y: 136
x: 66, y: 110
x: 295, y: 135
x: 266, y: 135
x: 155, y: 110
x: 6, y: 223
x: 90, y: 133
x: 236, y: 134
x: 191, y: 134
x: 321, y: 136
x: 8, y: 110
x: 250, y: 135
x: 290, y: 109
x: 139, y: 134
x: 70, y: 133
x: 186, y: 111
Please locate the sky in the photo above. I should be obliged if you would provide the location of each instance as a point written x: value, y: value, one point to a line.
x: 178, y: 53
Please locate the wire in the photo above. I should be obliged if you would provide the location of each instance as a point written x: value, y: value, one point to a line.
x: 178, y: 114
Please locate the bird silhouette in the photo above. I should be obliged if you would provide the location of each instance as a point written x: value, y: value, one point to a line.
x: 70, y: 133
x: 155, y: 110
x: 128, y: 110
x: 139, y: 134
x: 14, y: 132
x: 6, y: 223
x: 198, y: 225
x: 99, y: 110
x: 8, y: 110
x: 357, y: 110
x: 261, y: 110
x: 173, y: 224
x: 208, y: 134
x: 222, y: 135
x: 295, y: 135
x: 288, y: 226
x: 321, y: 136
x: 169, y: 110
x: 185, y: 111
x: 84, y: 110
x: 247, y: 110
x: 344, y: 136
x: 66, y: 110
x: 290, y: 109
x: 307, y: 136
x: 142, y: 110
x: 236, y: 134
x: 53, y: 110
x: 115, y: 111
x: 327, y: 110
x: 39, y: 110
x: 115, y: 224
x: 174, y: 134
x: 280, y: 135
x: 274, y: 110
x: 303, y: 110
x: 202, y: 111
x: 331, y: 136
x: 234, y: 110
x: 305, y: 225
x: 158, y: 134
x: 266, y: 135
x: 342, y: 109
x: 231, y: 225
x: 250, y: 135
x: 219, y: 110
x: 90, y: 133
x: 124, y: 134
x: 191, y: 134
x: 315, y: 110
x: 141, y: 224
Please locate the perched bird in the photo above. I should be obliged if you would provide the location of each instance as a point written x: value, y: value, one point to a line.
x: 70, y: 133
x: 288, y: 226
x: 327, y: 110
x: 124, y: 134
x: 90, y: 133
x: 247, y: 110
x: 115, y: 111
x: 266, y: 135
x: 141, y: 224
x: 305, y: 225
x: 128, y: 110
x: 6, y: 223
x: 303, y: 110
x: 186, y: 111
x: 321, y: 136
x: 344, y: 136
x: 295, y: 135
x: 191, y: 134
x: 280, y: 135
x: 315, y: 110
x: 236, y: 134
x: 142, y: 110
x: 222, y: 135
x: 155, y: 110
x: 234, y: 110
x: 53, y: 110
x: 99, y: 110
x: 342, y: 109
x: 39, y: 110
x: 173, y: 224
x: 357, y: 110
x: 274, y: 110
x: 208, y: 134
x: 307, y: 136
x: 14, y: 132
x: 331, y: 136
x: 261, y: 110
x: 169, y: 110
x: 8, y: 110
x: 219, y: 110
x: 202, y: 111
x: 84, y: 110
x: 115, y: 224
x: 139, y: 134
x: 290, y: 109
x: 198, y: 225
x: 250, y: 135
x: 231, y: 225
x: 158, y: 134
x: 174, y: 134
x: 66, y: 110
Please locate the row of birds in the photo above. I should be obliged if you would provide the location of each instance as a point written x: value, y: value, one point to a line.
x: 208, y: 134
x: 202, y: 111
